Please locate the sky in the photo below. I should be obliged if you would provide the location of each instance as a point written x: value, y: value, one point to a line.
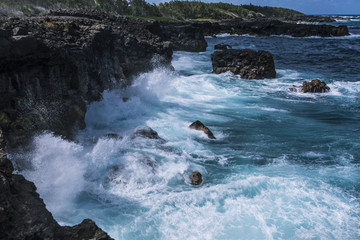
x: 305, y: 6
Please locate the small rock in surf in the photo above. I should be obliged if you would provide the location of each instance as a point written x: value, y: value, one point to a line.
x: 197, y: 125
x: 196, y: 178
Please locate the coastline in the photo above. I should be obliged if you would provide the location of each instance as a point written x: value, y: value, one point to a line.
x: 135, y: 43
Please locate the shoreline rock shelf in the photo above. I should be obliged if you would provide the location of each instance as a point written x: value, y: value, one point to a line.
x: 247, y: 63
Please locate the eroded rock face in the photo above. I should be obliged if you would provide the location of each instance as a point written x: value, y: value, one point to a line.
x: 197, y: 125
x: 247, y: 63
x: 184, y: 37
x: 196, y: 178
x: 314, y: 86
x: 51, y: 66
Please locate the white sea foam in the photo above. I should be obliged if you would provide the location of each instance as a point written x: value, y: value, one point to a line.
x: 58, y: 171
x: 138, y: 188
x: 250, y: 206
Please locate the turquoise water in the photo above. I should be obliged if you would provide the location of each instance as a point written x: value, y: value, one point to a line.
x: 284, y: 165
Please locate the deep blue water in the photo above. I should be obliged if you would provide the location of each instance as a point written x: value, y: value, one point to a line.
x: 284, y: 165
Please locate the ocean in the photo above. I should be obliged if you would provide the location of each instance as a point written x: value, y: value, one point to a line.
x: 284, y: 165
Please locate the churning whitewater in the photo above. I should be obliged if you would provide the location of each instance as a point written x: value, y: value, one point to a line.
x: 284, y: 165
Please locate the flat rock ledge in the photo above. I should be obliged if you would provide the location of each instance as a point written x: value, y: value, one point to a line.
x: 248, y: 63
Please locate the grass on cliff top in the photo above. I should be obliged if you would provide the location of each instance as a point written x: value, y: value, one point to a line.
x: 168, y: 11
x: 155, y: 18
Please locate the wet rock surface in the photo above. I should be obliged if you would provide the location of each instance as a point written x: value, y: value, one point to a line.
x: 314, y: 86
x: 247, y: 63
x: 197, y: 125
x: 196, y: 178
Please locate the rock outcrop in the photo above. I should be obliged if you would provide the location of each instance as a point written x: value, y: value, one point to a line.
x: 23, y: 214
x: 247, y: 63
x: 314, y: 86
x: 197, y: 125
x: 48, y: 75
x: 183, y: 37
x: 267, y: 27
x: 51, y: 66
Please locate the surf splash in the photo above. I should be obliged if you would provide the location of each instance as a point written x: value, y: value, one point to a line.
x: 284, y: 165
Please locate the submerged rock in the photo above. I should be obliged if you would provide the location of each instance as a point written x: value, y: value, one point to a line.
x: 315, y: 86
x: 196, y: 178
x: 201, y: 127
x: 222, y: 46
x: 247, y: 63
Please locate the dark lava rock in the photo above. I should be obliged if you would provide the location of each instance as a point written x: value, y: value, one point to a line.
x: 315, y: 86
x: 145, y: 132
x: 221, y: 46
x: 67, y: 59
x: 247, y: 63
x: 19, y: 31
x: 87, y: 229
x: 267, y: 27
x: 196, y: 178
x: 184, y: 37
x: 201, y: 127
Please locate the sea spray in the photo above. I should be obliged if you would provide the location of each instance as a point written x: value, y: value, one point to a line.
x: 284, y: 165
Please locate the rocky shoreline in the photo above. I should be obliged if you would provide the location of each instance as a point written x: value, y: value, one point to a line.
x: 52, y: 66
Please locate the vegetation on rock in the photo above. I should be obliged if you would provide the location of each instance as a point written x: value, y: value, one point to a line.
x: 179, y: 10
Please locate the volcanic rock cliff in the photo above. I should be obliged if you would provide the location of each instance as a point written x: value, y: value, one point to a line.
x: 51, y: 66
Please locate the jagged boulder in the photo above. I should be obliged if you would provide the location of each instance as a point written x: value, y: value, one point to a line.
x: 247, y: 63
x: 196, y: 178
x: 314, y: 86
x: 197, y: 125
x: 222, y: 46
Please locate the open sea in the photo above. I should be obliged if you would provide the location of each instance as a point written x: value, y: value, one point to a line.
x: 284, y: 165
